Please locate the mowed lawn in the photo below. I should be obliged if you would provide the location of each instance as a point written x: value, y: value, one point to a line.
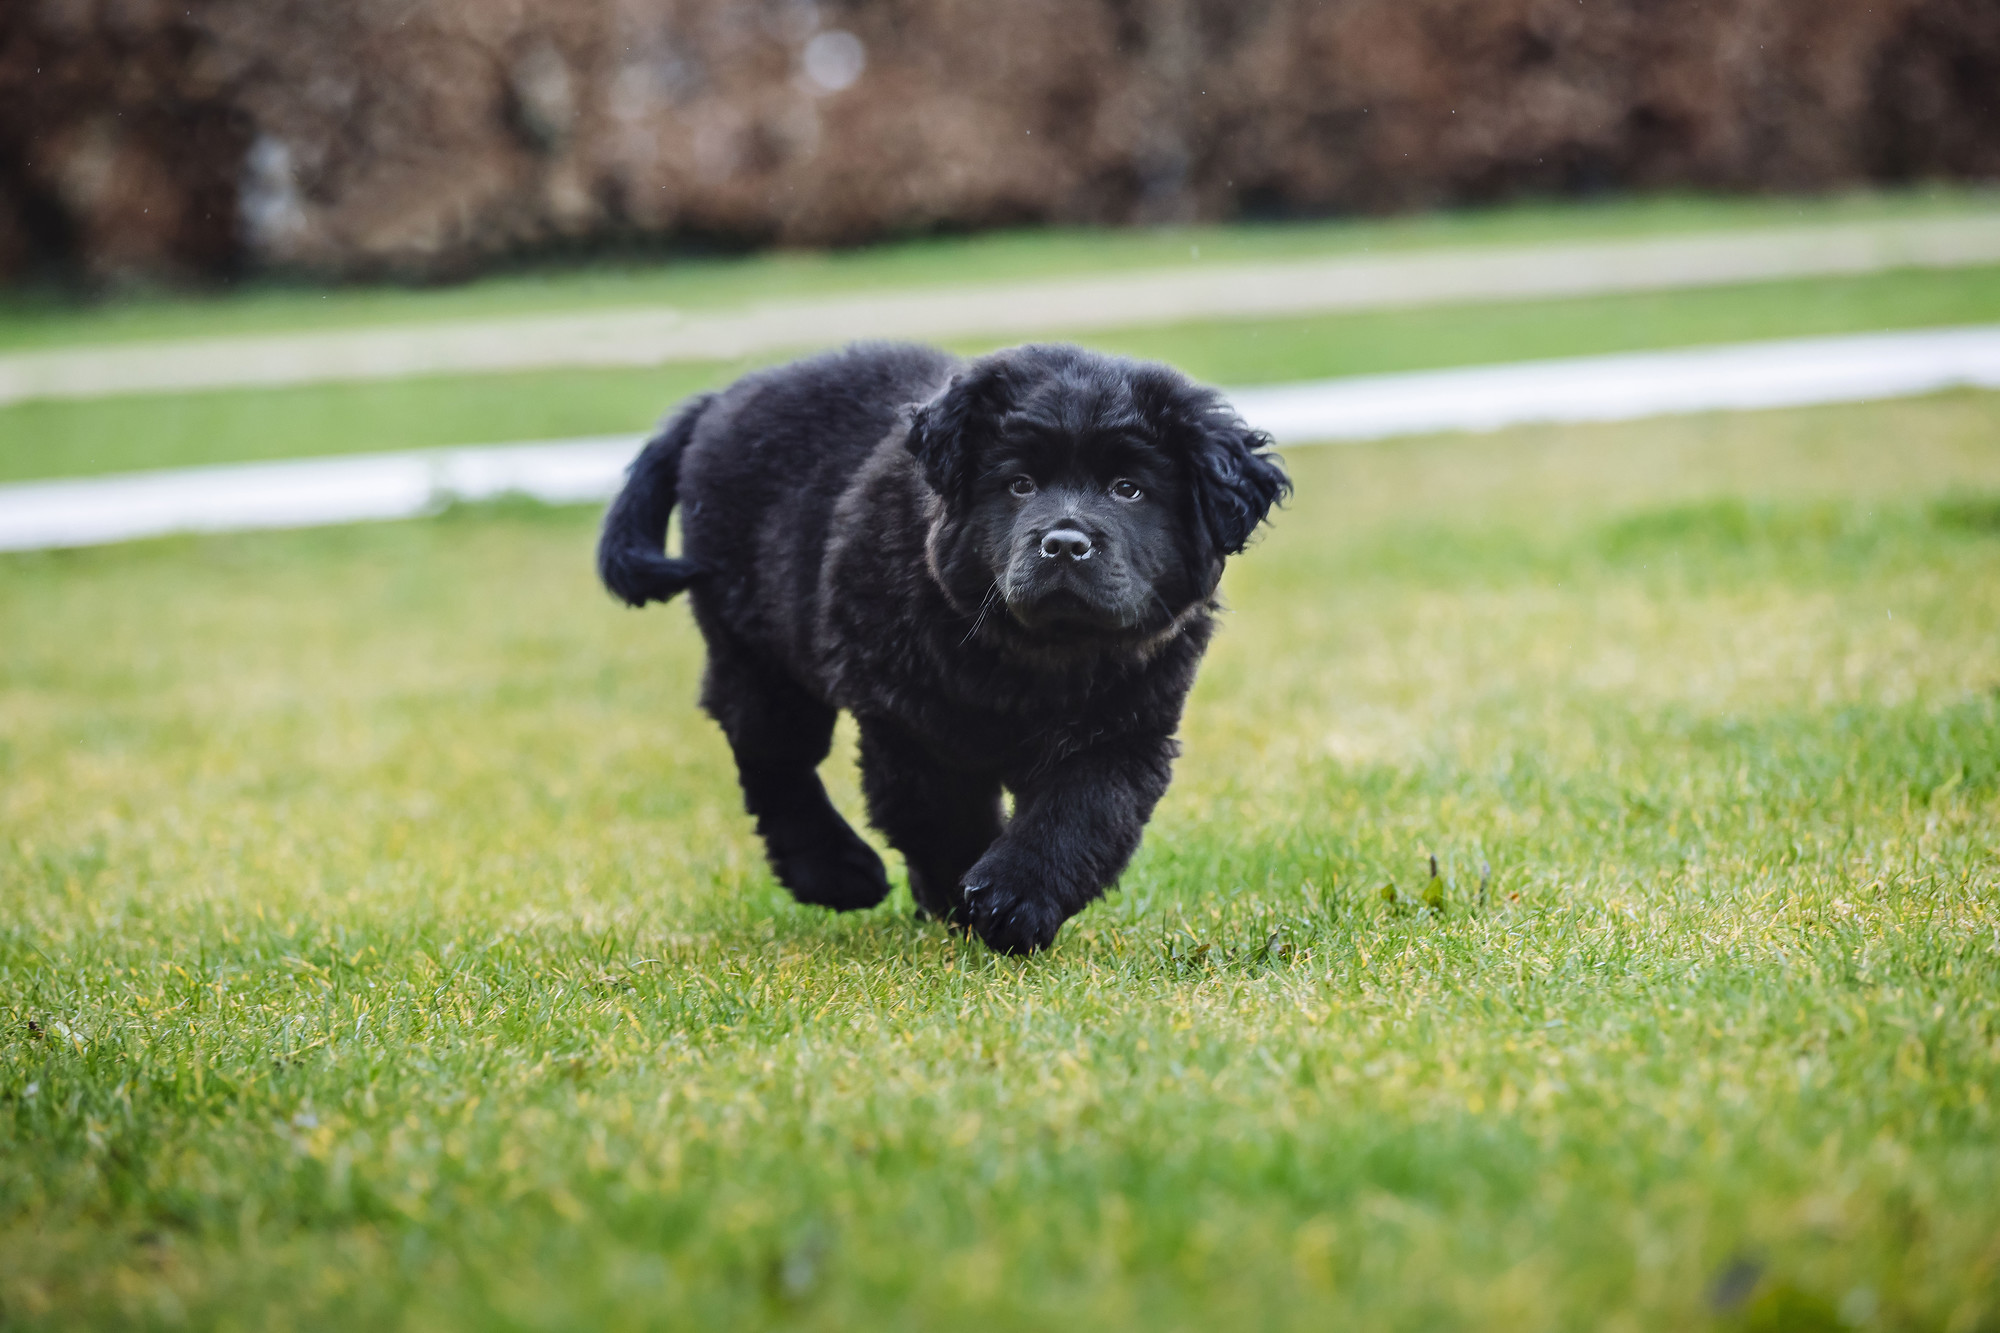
x: 382, y: 945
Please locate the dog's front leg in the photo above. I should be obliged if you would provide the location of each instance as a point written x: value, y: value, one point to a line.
x: 1073, y: 830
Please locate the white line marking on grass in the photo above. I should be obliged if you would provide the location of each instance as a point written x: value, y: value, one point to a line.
x: 1737, y: 377
x: 1795, y: 373
x: 91, y: 511
x: 654, y: 336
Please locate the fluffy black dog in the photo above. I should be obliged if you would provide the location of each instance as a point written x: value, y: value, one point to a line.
x: 1005, y: 569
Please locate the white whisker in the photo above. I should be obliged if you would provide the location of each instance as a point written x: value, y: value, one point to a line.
x: 985, y: 605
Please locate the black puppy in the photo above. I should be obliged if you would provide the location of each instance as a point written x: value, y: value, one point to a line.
x: 1005, y: 570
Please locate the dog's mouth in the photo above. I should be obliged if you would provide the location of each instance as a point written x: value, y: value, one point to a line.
x: 1066, y: 604
x: 1063, y: 612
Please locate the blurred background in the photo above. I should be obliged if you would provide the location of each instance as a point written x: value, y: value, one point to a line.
x: 432, y: 138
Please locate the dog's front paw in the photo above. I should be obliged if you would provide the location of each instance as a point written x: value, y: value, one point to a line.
x: 1008, y: 920
x: 844, y: 874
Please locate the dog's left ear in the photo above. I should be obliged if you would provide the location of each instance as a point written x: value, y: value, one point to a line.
x: 1233, y: 477
x: 1236, y: 481
x: 943, y: 431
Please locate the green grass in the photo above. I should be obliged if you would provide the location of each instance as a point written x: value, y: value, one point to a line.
x: 55, y: 438
x: 29, y: 320
x: 381, y: 943
x: 95, y: 436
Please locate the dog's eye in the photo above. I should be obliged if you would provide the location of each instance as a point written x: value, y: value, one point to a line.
x: 1125, y: 490
x: 1022, y: 486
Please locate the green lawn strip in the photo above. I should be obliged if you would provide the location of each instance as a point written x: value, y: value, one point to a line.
x: 46, y: 439
x: 396, y: 952
x: 1280, y: 351
x: 58, y: 439
x: 29, y: 320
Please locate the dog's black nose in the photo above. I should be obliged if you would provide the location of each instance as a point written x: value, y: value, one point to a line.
x: 1067, y: 541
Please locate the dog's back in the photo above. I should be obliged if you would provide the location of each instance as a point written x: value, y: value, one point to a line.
x: 768, y: 463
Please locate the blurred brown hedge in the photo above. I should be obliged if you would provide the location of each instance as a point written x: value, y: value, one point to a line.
x: 426, y: 137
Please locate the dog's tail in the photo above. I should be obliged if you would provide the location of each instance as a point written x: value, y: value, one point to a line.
x: 631, y: 554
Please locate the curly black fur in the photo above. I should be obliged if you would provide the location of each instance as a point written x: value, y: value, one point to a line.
x: 1005, y: 569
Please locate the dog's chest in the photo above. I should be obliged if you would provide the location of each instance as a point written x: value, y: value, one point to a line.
x: 976, y: 715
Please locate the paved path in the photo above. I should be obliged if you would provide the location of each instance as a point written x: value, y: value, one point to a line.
x: 645, y: 337
x: 1797, y: 372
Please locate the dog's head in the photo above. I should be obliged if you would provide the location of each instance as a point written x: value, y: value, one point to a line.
x: 1088, y: 499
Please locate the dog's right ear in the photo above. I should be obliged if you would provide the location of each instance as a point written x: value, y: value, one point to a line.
x: 945, y: 432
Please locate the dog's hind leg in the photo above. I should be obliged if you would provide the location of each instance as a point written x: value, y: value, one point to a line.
x: 940, y: 819
x: 779, y: 735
